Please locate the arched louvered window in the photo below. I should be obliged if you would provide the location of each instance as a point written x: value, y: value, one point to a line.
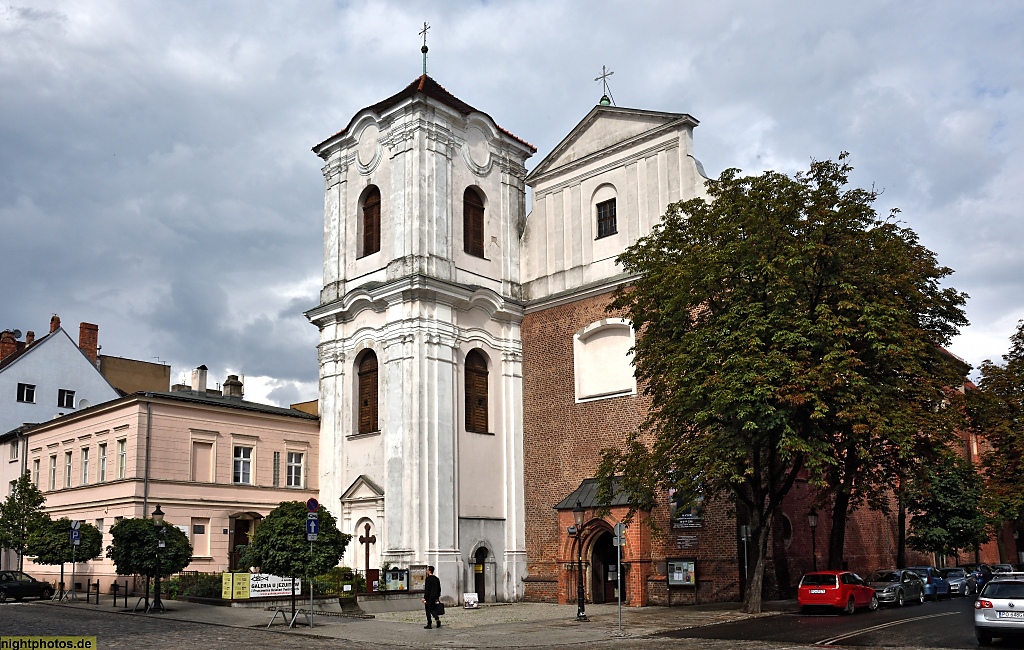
x: 473, y: 223
x: 476, y: 392
x: 367, y: 406
x: 371, y: 222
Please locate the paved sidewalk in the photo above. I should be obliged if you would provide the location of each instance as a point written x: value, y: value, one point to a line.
x: 518, y: 625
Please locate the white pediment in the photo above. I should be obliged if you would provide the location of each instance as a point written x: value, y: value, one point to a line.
x: 604, y: 128
x: 362, y: 489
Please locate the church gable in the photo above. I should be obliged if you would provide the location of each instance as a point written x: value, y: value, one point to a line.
x: 362, y: 489
x: 602, y: 130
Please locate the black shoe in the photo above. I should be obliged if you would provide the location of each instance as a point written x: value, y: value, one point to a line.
x: 427, y: 627
x: 439, y: 625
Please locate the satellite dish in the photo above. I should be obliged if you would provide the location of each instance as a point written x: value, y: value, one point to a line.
x: 17, y: 334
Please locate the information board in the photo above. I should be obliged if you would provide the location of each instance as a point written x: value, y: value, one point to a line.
x: 682, y: 573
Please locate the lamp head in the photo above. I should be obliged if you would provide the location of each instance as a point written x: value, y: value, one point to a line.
x: 812, y: 518
x: 577, y: 515
x: 158, y: 516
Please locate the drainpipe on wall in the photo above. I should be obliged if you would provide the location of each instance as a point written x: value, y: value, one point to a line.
x: 145, y: 479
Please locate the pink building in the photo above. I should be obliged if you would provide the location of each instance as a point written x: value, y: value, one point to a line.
x: 215, y: 463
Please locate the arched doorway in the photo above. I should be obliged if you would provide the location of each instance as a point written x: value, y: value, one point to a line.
x: 479, y: 583
x: 604, y: 569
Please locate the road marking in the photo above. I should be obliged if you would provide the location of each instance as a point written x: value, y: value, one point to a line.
x: 875, y: 628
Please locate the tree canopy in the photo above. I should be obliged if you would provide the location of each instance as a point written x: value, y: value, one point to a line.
x: 946, y: 504
x: 50, y: 543
x: 279, y: 545
x: 20, y: 514
x: 133, y: 548
x: 782, y: 325
x: 997, y: 413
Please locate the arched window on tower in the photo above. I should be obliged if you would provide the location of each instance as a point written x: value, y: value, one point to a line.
x: 476, y: 392
x: 473, y: 223
x: 367, y: 406
x: 371, y: 222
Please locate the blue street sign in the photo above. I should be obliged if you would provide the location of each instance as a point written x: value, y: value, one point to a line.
x: 76, y: 536
x: 312, y: 505
x: 312, y: 526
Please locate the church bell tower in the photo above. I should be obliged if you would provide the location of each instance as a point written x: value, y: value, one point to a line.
x: 420, y: 350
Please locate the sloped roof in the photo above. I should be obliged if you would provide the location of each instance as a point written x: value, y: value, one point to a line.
x: 228, y: 402
x: 25, y: 349
x: 586, y: 495
x: 423, y: 85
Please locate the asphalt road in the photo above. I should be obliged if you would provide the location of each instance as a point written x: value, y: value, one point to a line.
x: 943, y: 624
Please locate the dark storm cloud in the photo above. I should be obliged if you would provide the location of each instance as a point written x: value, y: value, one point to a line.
x: 156, y: 175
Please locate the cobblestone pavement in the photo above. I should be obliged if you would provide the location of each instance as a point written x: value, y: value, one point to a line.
x: 187, y: 625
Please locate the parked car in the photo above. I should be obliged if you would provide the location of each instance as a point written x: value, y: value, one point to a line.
x: 960, y: 581
x: 997, y: 611
x: 897, y: 586
x: 839, y: 589
x: 935, y: 586
x: 1001, y: 568
x: 18, y: 585
x: 982, y: 573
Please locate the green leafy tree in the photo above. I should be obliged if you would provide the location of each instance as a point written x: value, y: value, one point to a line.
x: 279, y: 545
x: 946, y: 506
x: 997, y: 413
x: 20, y: 514
x: 133, y: 548
x: 50, y: 543
x: 782, y: 325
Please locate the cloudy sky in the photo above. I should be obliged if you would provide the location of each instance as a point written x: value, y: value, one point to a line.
x: 156, y: 176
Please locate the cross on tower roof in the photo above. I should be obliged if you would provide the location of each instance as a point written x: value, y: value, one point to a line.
x: 603, y: 78
x: 423, y: 33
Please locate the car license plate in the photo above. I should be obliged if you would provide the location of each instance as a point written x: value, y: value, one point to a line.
x: 1009, y: 614
x: 821, y: 591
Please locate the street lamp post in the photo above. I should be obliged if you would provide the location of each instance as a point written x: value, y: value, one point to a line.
x: 581, y: 606
x: 812, y: 521
x: 158, y: 523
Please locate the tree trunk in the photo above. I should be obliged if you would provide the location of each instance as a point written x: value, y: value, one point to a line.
x: 760, y: 529
x: 837, y: 536
x: 901, y: 528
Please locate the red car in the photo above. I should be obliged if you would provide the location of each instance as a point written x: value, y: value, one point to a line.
x: 840, y: 589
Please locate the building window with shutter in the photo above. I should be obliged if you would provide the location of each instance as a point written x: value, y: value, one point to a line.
x: 371, y: 222
x: 277, y: 469
x: 476, y: 392
x: 367, y: 393
x: 606, y: 218
x: 473, y: 223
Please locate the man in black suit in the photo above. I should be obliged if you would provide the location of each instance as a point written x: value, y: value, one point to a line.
x: 431, y: 594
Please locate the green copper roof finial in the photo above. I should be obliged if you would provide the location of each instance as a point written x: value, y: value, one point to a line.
x: 423, y: 49
x: 606, y: 99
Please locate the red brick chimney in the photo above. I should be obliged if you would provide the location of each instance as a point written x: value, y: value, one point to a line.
x: 8, y: 344
x: 30, y: 338
x: 88, y: 339
x: 54, y: 323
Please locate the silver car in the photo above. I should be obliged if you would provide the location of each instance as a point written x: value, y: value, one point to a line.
x: 897, y: 586
x: 960, y: 581
x: 999, y: 609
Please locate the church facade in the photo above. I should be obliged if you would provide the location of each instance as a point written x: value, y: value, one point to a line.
x: 469, y: 374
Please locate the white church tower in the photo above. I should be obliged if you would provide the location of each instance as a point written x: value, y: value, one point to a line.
x: 420, y: 348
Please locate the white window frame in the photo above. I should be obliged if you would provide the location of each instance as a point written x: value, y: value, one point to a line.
x: 15, y: 449
x: 35, y: 472
x: 85, y: 465
x: 300, y: 481
x: 27, y: 393
x: 68, y: 461
x: 101, y: 475
x: 122, y: 458
x: 62, y: 398
x: 53, y: 472
x: 242, y: 464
